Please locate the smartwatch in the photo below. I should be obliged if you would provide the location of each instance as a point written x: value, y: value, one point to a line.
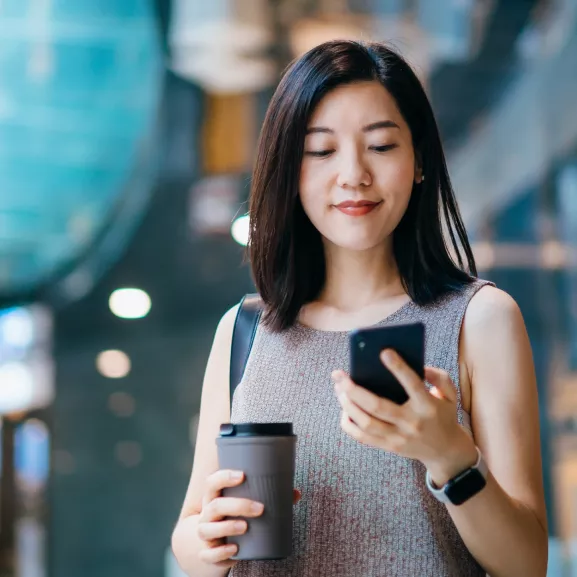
x: 464, y: 485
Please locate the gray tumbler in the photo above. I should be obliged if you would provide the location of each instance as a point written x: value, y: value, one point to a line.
x: 265, y: 452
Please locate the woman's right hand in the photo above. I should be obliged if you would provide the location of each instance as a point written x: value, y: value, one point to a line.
x: 213, y: 525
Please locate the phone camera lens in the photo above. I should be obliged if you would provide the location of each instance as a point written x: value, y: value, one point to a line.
x: 362, y: 344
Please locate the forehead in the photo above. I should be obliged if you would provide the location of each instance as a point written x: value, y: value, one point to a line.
x: 356, y: 105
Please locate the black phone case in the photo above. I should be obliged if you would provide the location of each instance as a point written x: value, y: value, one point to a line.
x: 368, y: 371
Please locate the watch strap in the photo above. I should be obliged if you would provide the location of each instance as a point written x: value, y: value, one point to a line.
x: 440, y: 492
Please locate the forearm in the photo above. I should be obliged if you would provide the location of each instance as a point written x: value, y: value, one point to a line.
x: 505, y: 537
x: 186, y: 547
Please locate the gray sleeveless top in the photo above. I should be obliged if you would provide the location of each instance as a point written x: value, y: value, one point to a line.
x: 364, y: 512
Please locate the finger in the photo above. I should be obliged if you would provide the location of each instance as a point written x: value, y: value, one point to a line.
x: 222, y: 507
x: 221, y: 529
x: 436, y: 393
x: 218, y: 481
x: 381, y: 408
x: 410, y: 381
x: 442, y: 382
x: 351, y: 429
x: 363, y: 420
x: 389, y: 442
x: 214, y: 555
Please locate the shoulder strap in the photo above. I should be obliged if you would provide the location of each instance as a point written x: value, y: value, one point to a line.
x: 245, y: 326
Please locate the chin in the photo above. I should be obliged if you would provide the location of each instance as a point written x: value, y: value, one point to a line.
x: 355, y: 242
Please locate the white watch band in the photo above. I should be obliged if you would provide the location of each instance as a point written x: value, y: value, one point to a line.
x: 439, y: 492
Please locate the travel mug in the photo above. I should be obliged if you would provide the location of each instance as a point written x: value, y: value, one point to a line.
x: 265, y: 452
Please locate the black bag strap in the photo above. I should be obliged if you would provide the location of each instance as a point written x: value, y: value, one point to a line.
x: 245, y: 326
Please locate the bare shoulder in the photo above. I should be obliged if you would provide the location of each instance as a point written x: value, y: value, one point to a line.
x: 218, y: 366
x: 214, y: 410
x: 226, y: 324
x: 493, y: 328
x: 491, y: 307
x: 225, y: 328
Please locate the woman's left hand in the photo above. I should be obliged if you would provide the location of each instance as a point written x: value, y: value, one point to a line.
x: 424, y: 428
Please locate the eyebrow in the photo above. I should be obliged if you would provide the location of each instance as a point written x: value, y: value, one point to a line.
x: 368, y: 128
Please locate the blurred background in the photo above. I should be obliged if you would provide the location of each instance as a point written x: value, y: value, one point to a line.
x: 127, y: 134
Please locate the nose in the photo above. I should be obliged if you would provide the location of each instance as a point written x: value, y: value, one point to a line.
x: 353, y: 171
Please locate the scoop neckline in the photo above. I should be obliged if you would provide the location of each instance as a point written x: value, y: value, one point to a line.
x: 305, y: 328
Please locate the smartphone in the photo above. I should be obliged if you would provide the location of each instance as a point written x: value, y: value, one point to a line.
x: 367, y: 369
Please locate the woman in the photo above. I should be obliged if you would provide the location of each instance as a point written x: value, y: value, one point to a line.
x: 349, y: 194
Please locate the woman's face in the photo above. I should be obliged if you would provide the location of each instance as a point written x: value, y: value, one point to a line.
x: 358, y: 167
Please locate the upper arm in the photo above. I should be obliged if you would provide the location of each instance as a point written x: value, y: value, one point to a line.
x: 504, y: 403
x: 214, y: 410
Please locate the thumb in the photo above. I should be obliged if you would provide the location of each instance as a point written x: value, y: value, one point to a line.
x: 296, y: 496
x: 444, y: 387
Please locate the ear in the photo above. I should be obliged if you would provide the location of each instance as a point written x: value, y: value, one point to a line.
x: 418, y: 167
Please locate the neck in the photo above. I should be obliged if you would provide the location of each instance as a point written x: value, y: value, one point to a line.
x: 356, y: 279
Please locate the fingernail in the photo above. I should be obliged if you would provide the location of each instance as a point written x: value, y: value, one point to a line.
x: 337, y: 376
x: 435, y: 392
x: 257, y: 507
x: 236, y: 475
x: 343, y: 398
x: 387, y: 356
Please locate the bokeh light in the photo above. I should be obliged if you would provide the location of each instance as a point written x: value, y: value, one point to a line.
x: 130, y: 303
x: 113, y: 364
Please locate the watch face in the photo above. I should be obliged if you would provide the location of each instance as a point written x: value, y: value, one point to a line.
x: 463, y: 487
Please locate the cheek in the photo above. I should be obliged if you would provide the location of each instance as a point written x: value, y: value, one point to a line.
x: 396, y: 178
x: 312, y: 192
x: 315, y: 209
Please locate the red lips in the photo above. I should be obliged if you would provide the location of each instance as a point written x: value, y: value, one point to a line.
x: 357, y: 208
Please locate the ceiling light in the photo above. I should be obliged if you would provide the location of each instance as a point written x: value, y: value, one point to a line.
x: 17, y: 328
x: 129, y: 453
x: 240, y: 229
x: 130, y: 303
x: 16, y: 387
x: 121, y: 404
x: 113, y: 364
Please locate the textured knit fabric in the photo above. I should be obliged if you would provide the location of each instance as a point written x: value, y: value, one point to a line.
x: 364, y: 512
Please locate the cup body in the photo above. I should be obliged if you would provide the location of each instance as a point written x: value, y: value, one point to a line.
x: 266, y: 455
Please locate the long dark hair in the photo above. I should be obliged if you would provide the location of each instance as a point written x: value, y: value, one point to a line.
x: 285, y: 249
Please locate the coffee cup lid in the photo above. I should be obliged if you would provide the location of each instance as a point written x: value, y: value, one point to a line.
x: 256, y: 430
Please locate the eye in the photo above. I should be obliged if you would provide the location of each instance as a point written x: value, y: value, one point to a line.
x: 318, y: 153
x: 383, y: 148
